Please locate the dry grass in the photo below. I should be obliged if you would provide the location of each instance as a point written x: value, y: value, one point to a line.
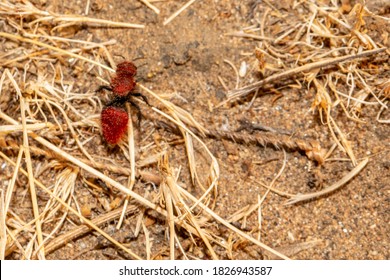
x: 50, y: 131
x: 302, y: 51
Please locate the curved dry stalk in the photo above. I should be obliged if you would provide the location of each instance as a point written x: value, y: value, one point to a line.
x: 249, y: 210
x: 324, y: 103
x: 235, y: 72
x: 73, y: 133
x: 304, y: 197
x: 63, y: 188
x: 246, y: 211
x: 242, y: 92
x: 11, y: 185
x: 148, y: 241
x: 343, y: 140
x: 214, y: 168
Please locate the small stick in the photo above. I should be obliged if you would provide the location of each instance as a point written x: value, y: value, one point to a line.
x: 248, y: 35
x: 131, y: 181
x: 83, y: 229
x: 151, y: 6
x: 77, y: 19
x: 250, y: 127
x: 175, y: 14
x: 312, y: 148
x: 49, y: 154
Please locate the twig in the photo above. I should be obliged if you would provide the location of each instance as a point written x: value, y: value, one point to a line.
x: 131, y: 181
x: 48, y: 154
x: 151, y: 6
x: 61, y: 240
x: 178, y: 12
x: 312, y: 148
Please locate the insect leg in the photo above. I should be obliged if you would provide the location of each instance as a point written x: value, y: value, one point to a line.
x: 104, y: 87
x: 139, y: 114
x: 137, y: 94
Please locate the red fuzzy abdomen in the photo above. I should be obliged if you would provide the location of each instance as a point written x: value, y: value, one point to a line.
x: 114, y: 124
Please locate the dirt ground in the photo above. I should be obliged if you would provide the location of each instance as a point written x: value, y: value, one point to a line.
x: 186, y: 60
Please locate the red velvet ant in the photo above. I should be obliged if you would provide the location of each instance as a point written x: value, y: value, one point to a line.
x: 114, y: 117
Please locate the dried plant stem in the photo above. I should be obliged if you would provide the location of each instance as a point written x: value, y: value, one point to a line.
x: 178, y: 12
x: 3, y: 227
x: 11, y: 185
x: 148, y: 240
x: 170, y: 219
x: 379, y: 115
x: 248, y: 35
x: 78, y: 19
x: 312, y: 148
x: 49, y: 154
x: 241, y: 92
x: 132, y: 164
x: 303, y: 197
x: 235, y: 72
x: 61, y: 240
x: 6, y: 129
x: 34, y: 201
x: 179, y: 201
x: 151, y: 6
